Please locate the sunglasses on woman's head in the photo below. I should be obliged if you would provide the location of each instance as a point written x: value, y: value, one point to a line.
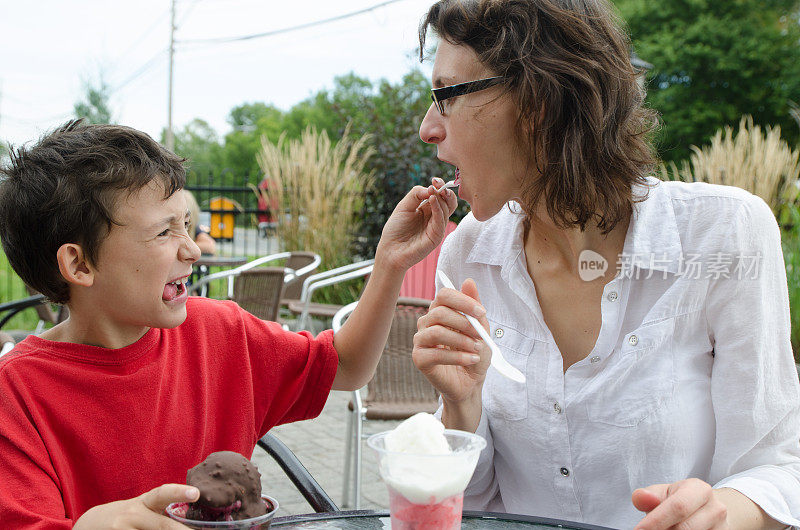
x: 440, y: 95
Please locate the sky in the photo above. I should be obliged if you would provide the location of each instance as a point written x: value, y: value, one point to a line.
x: 50, y: 50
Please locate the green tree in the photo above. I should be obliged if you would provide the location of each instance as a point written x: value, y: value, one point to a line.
x: 94, y: 107
x: 249, y: 122
x: 199, y: 144
x: 715, y: 61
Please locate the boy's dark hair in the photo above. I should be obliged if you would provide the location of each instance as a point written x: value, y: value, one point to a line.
x: 64, y: 190
x: 568, y: 69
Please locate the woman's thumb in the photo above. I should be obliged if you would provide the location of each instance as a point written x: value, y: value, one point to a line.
x: 470, y: 289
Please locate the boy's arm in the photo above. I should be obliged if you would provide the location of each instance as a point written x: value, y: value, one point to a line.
x: 408, y: 236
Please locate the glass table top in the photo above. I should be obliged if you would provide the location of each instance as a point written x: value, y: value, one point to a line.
x: 370, y: 520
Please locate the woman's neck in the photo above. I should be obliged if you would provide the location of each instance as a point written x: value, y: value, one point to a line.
x: 554, y: 247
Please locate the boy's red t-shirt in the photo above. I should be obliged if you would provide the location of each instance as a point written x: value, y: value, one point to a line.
x: 82, y: 425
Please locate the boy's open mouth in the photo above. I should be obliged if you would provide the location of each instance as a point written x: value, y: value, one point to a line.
x: 174, y: 289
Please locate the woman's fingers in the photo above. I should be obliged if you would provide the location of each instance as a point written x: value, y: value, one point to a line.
x: 684, y: 501
x: 447, y: 317
x: 439, y: 335
x: 428, y: 359
x: 458, y: 301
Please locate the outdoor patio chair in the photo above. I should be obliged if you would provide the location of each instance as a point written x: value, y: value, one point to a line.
x: 36, y: 301
x: 397, y: 390
x: 305, y: 263
x: 255, y: 288
x: 305, y: 483
x: 305, y: 309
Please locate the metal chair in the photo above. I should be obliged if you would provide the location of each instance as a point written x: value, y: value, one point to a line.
x: 304, y: 263
x: 397, y: 390
x: 36, y: 301
x: 305, y: 483
x: 258, y: 289
x: 306, y: 309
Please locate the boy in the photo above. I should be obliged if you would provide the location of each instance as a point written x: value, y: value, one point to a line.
x: 141, y: 383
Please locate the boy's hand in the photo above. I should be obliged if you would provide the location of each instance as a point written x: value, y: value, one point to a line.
x: 410, y: 234
x: 145, y: 512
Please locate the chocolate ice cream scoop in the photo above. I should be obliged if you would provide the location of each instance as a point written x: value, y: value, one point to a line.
x: 230, y: 488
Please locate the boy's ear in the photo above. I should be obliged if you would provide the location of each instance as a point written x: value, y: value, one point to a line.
x: 73, y: 265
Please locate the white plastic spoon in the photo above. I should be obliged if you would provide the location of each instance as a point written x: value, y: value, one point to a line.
x: 448, y: 184
x: 498, y: 361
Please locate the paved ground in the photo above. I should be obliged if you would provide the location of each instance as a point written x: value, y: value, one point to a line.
x: 319, y: 444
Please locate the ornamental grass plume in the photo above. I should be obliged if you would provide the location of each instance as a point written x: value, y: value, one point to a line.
x: 319, y: 186
x: 759, y: 162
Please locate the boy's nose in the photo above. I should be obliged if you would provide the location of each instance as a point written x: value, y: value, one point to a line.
x: 431, y: 130
x: 189, y: 251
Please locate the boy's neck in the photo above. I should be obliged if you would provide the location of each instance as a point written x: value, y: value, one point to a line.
x: 76, y: 331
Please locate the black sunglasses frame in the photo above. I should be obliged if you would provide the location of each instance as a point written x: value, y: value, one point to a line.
x: 439, y: 95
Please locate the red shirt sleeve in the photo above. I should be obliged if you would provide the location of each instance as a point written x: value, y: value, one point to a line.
x: 292, y: 372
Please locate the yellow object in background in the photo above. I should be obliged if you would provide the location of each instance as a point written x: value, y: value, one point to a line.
x: 223, y: 215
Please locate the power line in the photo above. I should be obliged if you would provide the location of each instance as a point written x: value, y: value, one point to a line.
x: 146, y: 32
x: 187, y: 12
x: 225, y: 40
x: 140, y: 71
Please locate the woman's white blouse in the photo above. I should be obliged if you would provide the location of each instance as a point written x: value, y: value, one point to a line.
x: 692, y: 374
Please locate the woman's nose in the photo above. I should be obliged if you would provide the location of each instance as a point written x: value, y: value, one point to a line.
x: 431, y: 130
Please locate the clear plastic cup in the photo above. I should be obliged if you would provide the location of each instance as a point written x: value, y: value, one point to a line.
x: 177, y: 511
x: 427, y: 490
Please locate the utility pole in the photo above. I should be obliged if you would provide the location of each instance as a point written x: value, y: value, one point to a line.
x: 170, y: 137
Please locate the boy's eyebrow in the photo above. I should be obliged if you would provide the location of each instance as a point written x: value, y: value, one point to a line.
x: 172, y: 219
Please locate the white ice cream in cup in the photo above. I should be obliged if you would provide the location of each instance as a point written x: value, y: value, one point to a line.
x: 426, y: 469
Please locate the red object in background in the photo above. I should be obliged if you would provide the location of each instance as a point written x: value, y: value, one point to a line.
x: 267, y: 212
x: 419, y: 281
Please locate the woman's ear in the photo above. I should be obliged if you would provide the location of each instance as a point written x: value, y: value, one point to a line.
x: 73, y: 265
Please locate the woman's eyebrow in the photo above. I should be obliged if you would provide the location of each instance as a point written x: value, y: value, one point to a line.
x: 443, y: 80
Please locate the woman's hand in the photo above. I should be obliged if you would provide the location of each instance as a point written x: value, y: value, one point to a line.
x: 411, y: 234
x: 690, y: 504
x: 145, y: 512
x: 450, y: 353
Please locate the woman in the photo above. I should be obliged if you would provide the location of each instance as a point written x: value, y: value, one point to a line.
x: 202, y: 238
x: 650, y: 319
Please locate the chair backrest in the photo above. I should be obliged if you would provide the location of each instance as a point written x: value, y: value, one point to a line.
x: 398, y: 390
x: 420, y: 279
x: 258, y: 291
x: 297, y: 261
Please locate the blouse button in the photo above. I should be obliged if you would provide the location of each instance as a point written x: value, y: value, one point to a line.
x: 633, y: 340
x: 565, y: 471
x: 612, y: 296
x: 557, y: 408
x: 595, y: 359
x: 498, y: 332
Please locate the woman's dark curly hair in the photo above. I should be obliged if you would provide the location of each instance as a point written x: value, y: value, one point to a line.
x: 581, y: 114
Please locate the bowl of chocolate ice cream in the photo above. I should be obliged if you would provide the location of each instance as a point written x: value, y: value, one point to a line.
x: 230, y: 495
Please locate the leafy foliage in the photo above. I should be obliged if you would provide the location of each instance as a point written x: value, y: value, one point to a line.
x: 388, y: 113
x: 94, y: 107
x: 319, y: 185
x: 761, y: 163
x: 715, y: 61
